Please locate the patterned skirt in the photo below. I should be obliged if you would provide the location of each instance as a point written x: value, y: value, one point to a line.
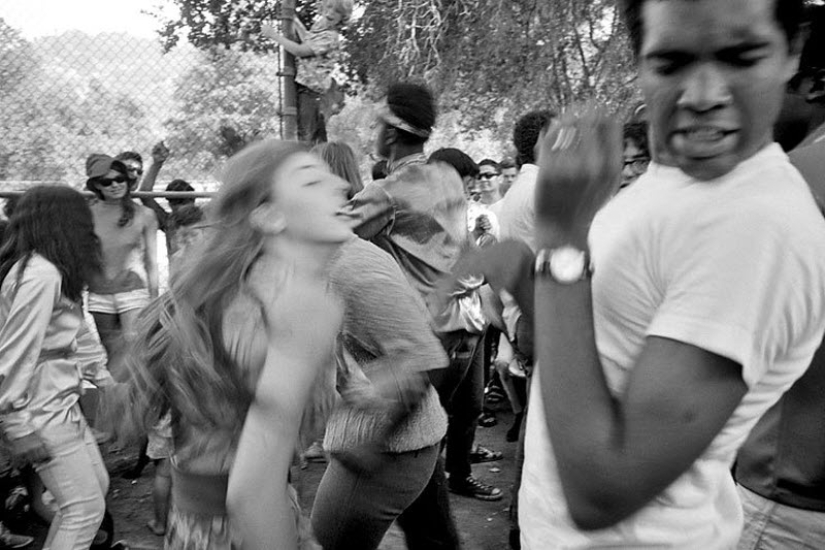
x: 187, y: 531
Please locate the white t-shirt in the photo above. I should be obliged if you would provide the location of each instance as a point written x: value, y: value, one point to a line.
x: 517, y: 216
x: 735, y: 266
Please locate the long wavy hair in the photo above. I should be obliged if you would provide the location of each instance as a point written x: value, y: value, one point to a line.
x: 127, y: 205
x: 179, y: 357
x: 54, y: 221
x: 341, y: 160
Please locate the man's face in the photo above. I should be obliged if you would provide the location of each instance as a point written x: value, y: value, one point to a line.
x: 636, y: 161
x: 508, y: 176
x: 382, y: 141
x: 713, y: 73
x: 134, y: 171
x: 488, y: 181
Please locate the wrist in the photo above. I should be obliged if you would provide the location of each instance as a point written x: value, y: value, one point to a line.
x: 554, y: 235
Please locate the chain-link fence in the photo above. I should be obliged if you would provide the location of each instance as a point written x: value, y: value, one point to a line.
x: 66, y: 96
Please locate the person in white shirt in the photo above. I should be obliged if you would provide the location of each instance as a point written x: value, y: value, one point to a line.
x: 707, y: 293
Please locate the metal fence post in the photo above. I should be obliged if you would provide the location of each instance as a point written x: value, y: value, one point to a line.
x: 289, y: 109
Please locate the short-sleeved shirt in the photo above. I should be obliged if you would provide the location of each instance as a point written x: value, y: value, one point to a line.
x: 735, y: 266
x: 315, y: 71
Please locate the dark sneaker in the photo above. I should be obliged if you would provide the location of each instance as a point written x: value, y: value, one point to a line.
x: 11, y: 540
x: 482, y: 454
x: 471, y: 487
x: 487, y: 420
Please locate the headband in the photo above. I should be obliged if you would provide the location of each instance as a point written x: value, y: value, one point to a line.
x: 394, y: 120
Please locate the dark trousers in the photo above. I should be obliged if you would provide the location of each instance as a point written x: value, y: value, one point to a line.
x: 311, y: 125
x: 353, y: 510
x: 462, y: 396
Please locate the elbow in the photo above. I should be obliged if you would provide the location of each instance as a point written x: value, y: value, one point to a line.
x: 592, y: 518
x: 599, y: 507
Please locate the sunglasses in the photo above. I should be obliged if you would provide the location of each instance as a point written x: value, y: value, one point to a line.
x: 137, y: 171
x: 106, y: 182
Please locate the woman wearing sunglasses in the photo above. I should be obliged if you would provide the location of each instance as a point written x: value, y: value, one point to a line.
x: 128, y: 236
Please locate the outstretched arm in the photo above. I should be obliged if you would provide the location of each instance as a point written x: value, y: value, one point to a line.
x: 296, y: 49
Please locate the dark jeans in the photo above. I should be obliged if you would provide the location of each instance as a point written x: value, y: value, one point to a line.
x: 354, y: 510
x: 462, y: 396
x: 311, y: 125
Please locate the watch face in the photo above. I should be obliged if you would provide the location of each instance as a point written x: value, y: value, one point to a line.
x: 568, y: 264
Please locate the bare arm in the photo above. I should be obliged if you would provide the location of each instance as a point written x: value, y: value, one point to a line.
x: 300, y: 29
x: 613, y: 456
x: 159, y: 155
x: 296, y: 49
x: 302, y: 322
x: 150, y: 251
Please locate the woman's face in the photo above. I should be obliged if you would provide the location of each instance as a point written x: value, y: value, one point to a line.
x: 309, y: 199
x: 113, y: 185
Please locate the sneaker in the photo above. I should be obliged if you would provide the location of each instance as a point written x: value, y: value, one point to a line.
x: 315, y: 452
x: 12, y: 540
x: 482, y: 454
x: 471, y: 487
x: 487, y: 420
x: 120, y: 545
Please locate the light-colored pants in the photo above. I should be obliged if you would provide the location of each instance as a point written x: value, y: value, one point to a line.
x: 770, y: 525
x: 77, y: 479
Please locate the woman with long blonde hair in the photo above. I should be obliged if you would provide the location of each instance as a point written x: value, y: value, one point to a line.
x: 235, y: 346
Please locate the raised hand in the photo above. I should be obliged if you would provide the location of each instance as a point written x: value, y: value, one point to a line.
x: 160, y: 153
x: 580, y: 169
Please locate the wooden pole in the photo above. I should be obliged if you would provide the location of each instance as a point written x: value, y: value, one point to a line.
x: 289, y: 100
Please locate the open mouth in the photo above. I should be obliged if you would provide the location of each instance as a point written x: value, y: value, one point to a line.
x: 704, y: 141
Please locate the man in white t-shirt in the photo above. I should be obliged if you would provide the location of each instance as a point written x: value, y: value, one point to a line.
x: 707, y: 296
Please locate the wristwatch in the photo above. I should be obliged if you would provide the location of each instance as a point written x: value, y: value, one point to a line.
x: 565, y: 265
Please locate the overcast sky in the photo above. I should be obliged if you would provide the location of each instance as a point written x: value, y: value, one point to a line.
x: 46, y: 17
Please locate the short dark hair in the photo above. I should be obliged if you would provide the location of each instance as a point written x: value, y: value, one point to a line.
x: 129, y: 155
x: 789, y: 15
x: 414, y: 104
x: 812, y: 60
x: 507, y: 162
x: 636, y: 132
x: 461, y: 161
x: 54, y: 221
x: 526, y: 134
x: 490, y: 162
x: 179, y: 185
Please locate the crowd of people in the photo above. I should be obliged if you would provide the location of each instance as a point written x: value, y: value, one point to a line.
x: 649, y: 298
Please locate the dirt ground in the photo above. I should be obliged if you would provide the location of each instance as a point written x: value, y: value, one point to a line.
x: 483, y: 525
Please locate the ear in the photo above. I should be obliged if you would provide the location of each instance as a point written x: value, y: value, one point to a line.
x: 391, y: 135
x: 267, y: 219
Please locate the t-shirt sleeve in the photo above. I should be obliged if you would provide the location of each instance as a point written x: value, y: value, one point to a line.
x: 747, y: 291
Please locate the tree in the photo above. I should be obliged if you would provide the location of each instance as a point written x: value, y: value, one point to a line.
x: 230, y: 98
x: 489, y: 59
